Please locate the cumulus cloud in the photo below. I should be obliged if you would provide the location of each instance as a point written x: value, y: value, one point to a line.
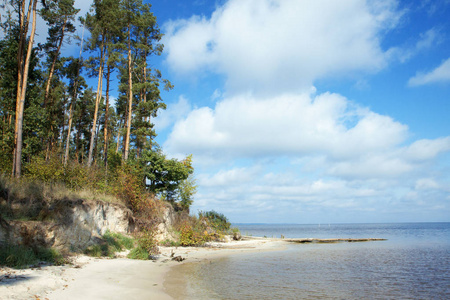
x: 269, y: 45
x: 426, y: 149
x: 307, y: 152
x: 270, y: 144
x: 440, y: 74
x: 291, y: 124
x: 174, y: 112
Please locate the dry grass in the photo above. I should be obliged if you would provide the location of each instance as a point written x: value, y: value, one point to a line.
x: 25, y: 198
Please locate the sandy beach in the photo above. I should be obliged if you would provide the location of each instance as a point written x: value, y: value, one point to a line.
x: 118, y: 278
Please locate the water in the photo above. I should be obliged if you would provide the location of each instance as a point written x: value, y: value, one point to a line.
x: 413, y: 264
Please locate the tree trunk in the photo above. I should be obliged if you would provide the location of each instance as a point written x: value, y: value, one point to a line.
x: 20, y: 103
x: 94, y: 124
x: 105, y: 129
x: 118, y: 136
x: 97, y: 102
x: 74, y: 99
x: 69, y: 127
x: 130, y: 97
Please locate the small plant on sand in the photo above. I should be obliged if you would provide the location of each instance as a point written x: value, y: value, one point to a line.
x: 235, y: 232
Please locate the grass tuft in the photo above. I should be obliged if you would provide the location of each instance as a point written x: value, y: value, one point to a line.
x: 138, y: 253
x: 20, y: 257
x: 112, y: 243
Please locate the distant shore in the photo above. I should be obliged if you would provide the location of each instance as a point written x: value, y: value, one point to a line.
x: 119, y: 278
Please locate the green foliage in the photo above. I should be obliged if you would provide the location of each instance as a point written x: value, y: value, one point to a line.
x: 95, y: 251
x: 169, y: 243
x: 139, y: 253
x: 166, y: 175
x: 216, y: 220
x: 146, y: 240
x: 111, y: 243
x: 193, y: 231
x: 129, y: 185
x: 118, y: 241
x: 186, y: 192
x: 21, y: 257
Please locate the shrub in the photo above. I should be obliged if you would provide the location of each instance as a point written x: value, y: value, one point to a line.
x: 129, y: 187
x: 146, y: 240
x: 170, y: 243
x: 18, y: 256
x: 51, y: 170
x: 111, y: 243
x: 193, y: 231
x: 216, y: 220
x: 138, y: 253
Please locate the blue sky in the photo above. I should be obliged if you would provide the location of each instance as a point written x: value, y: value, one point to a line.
x: 310, y: 111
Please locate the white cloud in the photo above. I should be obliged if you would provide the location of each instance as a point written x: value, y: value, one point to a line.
x: 440, y: 74
x: 425, y: 149
x: 292, y: 124
x: 235, y: 176
x: 175, y: 111
x: 426, y: 40
x: 273, y: 45
x: 426, y: 183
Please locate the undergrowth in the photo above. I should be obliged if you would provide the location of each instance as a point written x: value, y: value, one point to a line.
x: 111, y: 243
x: 17, y: 256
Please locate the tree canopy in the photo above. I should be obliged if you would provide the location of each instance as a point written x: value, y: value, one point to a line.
x: 48, y: 111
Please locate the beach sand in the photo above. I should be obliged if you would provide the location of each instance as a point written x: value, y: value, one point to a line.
x: 118, y: 278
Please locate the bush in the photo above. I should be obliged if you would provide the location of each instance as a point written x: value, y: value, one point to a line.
x: 129, y: 187
x: 138, y: 253
x: 112, y: 243
x: 193, y: 231
x: 216, y: 220
x: 17, y: 256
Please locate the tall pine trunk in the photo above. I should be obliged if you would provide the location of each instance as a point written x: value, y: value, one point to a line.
x: 22, y: 85
x: 130, y: 97
x: 105, y: 129
x: 94, y: 123
x: 97, y: 102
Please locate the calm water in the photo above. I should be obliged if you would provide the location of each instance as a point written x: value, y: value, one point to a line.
x: 413, y: 264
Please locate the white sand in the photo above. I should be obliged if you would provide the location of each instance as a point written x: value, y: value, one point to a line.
x: 120, y: 278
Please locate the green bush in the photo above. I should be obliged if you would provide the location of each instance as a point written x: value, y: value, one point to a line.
x: 129, y: 187
x: 170, y: 243
x: 193, y: 231
x: 17, y: 256
x: 216, y: 220
x: 112, y: 243
x: 138, y: 253
x: 95, y: 251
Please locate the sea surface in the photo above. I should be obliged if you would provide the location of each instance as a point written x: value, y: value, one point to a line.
x: 414, y: 263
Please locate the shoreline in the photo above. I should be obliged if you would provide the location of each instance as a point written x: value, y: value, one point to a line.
x: 118, y: 278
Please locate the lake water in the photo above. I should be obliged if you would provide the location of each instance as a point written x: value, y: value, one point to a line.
x: 414, y: 263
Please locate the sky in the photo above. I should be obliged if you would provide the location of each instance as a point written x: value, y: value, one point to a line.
x: 309, y: 112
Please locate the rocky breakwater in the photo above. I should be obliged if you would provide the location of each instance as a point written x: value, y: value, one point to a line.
x: 69, y: 225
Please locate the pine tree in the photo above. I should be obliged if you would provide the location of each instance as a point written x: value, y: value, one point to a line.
x: 22, y: 76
